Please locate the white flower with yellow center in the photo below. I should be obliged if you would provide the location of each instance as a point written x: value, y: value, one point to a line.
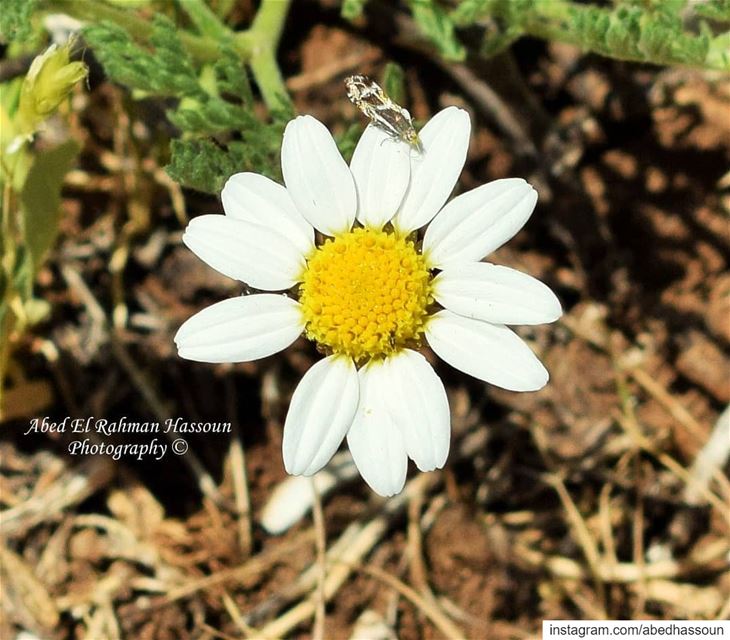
x: 371, y: 291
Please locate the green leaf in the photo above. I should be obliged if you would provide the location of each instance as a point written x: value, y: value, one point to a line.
x: 15, y: 19
x: 394, y: 82
x: 3, y: 284
x: 204, y: 164
x: 41, y: 198
x: 352, y: 9
x: 714, y: 10
x: 438, y: 27
x: 623, y: 31
x: 469, y: 11
x: 200, y: 164
x: 22, y: 274
x: 347, y: 141
x: 495, y: 42
x: 166, y: 69
x: 36, y: 310
x: 233, y: 76
x: 718, y: 56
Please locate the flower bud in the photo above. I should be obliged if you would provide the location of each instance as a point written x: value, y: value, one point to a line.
x: 50, y: 79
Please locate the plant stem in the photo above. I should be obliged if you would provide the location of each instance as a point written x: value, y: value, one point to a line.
x: 269, y: 21
x: 205, y: 20
x: 260, y: 43
x: 271, y: 84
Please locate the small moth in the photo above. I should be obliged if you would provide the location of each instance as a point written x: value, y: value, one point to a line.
x: 369, y: 97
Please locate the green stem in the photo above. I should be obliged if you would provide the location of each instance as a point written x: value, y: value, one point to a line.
x: 261, y: 42
x: 268, y: 77
x: 269, y: 21
x: 205, y: 20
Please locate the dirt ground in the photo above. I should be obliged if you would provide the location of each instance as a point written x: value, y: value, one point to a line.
x: 584, y: 500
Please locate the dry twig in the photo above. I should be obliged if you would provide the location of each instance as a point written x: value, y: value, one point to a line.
x: 321, y: 544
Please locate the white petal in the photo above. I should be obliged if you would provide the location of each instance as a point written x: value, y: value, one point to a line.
x: 381, y: 167
x: 495, y: 294
x: 434, y: 172
x: 479, y: 221
x: 320, y: 413
x: 417, y: 400
x: 256, y: 198
x: 291, y: 499
x: 490, y: 352
x: 240, y: 329
x: 245, y: 251
x: 375, y: 442
x: 317, y: 178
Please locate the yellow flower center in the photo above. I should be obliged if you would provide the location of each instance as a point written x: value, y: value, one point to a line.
x: 364, y: 294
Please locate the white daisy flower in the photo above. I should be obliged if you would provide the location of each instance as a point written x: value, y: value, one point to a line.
x: 371, y: 291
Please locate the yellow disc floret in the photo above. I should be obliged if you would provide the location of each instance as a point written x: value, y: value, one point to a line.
x: 364, y: 294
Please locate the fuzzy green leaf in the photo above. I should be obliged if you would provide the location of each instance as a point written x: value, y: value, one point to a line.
x: 165, y: 69
x: 714, y: 10
x: 204, y: 165
x: 212, y: 115
x: 495, y: 42
x: 200, y: 164
x: 15, y: 19
x: 347, y: 141
x: 233, y: 77
x: 438, y: 27
x: 352, y: 9
x: 394, y: 82
x: 469, y: 11
x: 718, y: 57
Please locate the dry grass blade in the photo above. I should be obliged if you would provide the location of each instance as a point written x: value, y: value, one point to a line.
x: 238, y: 619
x: 70, y: 488
x: 24, y: 597
x: 318, y: 631
x: 254, y: 566
x: 712, y: 560
x: 710, y: 460
x: 429, y: 609
x: 237, y: 466
x: 677, y: 469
